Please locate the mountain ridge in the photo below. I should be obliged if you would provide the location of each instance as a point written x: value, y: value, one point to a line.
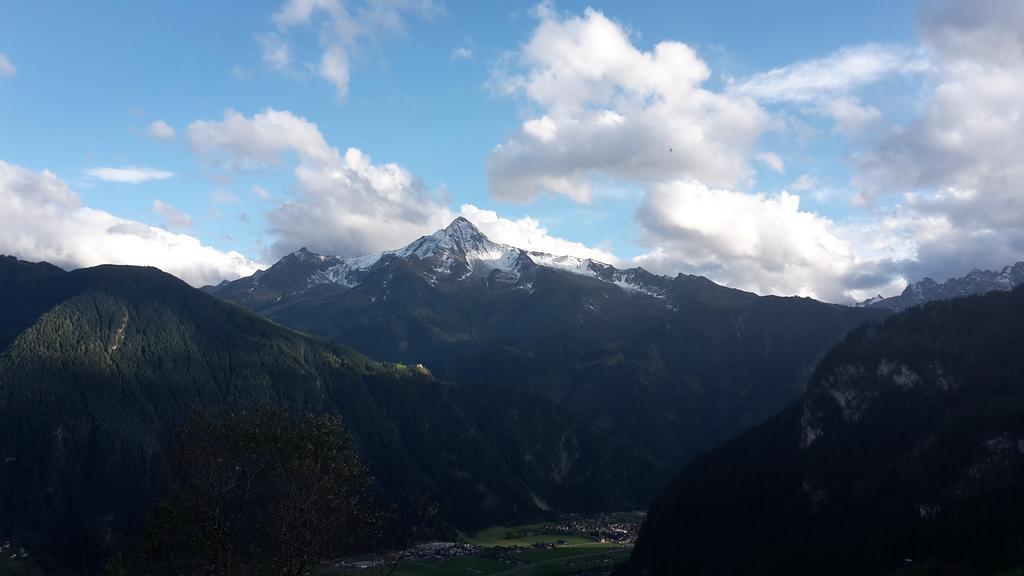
x: 973, y: 283
x: 671, y: 365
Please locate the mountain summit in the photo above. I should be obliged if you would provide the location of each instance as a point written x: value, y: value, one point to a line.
x: 463, y: 249
x: 464, y: 232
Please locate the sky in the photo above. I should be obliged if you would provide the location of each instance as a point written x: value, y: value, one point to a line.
x: 829, y: 149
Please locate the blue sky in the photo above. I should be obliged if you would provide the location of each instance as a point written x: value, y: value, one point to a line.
x: 435, y: 87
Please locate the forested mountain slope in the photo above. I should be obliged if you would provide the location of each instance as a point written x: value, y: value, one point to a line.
x: 98, y: 365
x: 907, y: 447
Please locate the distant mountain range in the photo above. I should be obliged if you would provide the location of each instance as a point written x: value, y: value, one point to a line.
x: 669, y: 365
x: 974, y: 283
x: 906, y: 452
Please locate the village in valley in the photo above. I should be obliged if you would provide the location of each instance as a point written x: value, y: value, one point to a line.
x: 577, y: 545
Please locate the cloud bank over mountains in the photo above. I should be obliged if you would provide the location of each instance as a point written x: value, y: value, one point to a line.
x: 721, y: 168
x: 949, y: 178
x: 344, y: 203
x: 42, y: 219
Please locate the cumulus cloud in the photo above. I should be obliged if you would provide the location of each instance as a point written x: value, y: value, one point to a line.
x: 6, y: 67
x: 342, y: 26
x: 161, y: 130
x: 528, y: 234
x: 342, y: 203
x: 42, y: 219
x: 601, y: 109
x: 174, y: 217
x: 955, y: 170
x: 957, y: 165
x: 246, y: 144
x: 607, y: 107
x: 765, y: 244
x: 128, y: 174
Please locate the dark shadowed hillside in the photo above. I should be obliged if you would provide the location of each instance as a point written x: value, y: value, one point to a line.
x: 908, y: 447
x: 98, y: 365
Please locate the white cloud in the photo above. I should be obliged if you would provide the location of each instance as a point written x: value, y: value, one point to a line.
x: 826, y: 86
x: 851, y: 116
x: 161, y: 130
x: 958, y: 164
x: 334, y: 67
x: 528, y: 234
x: 275, y: 51
x: 607, y: 107
x: 342, y: 27
x: 262, y: 193
x: 804, y: 183
x: 462, y: 53
x: 243, y: 144
x: 174, y: 217
x: 41, y: 219
x: 295, y: 12
x: 128, y: 174
x: 772, y: 161
x: 6, y: 67
x: 837, y: 74
x: 342, y: 203
x: 750, y: 241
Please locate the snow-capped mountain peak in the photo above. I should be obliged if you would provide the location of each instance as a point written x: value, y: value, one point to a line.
x: 461, y: 246
x: 464, y: 234
x: 461, y: 252
x: 304, y: 255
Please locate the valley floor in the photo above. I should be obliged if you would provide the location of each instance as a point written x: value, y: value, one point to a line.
x: 572, y: 545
